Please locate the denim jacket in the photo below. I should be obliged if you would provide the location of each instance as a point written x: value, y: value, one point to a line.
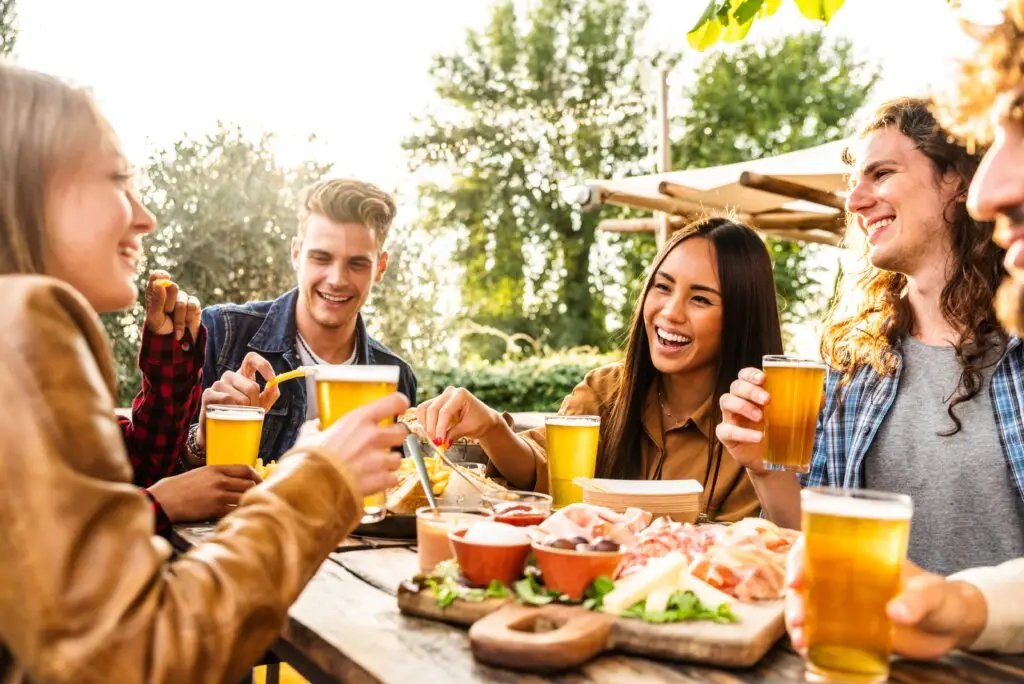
x: 269, y: 329
x: 852, y: 415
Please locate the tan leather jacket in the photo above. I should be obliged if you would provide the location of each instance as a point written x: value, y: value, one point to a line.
x: 87, y: 593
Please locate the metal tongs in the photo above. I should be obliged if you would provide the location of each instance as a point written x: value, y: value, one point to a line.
x: 456, y: 468
x: 412, y: 449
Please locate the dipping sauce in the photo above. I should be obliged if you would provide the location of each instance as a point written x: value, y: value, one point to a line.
x: 519, y: 515
x: 432, y: 528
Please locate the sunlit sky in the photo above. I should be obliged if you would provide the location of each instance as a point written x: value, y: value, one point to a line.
x: 355, y: 73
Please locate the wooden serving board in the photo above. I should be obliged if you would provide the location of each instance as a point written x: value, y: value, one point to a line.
x: 558, y: 636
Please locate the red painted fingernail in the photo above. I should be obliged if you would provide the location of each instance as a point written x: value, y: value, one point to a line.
x: 437, y: 441
x: 448, y: 444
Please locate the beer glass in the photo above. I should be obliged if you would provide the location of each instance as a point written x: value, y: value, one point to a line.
x: 856, y: 542
x: 233, y: 434
x: 572, y: 453
x: 796, y: 388
x: 344, y: 388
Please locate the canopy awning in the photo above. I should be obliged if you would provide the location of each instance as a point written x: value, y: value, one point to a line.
x: 797, y: 195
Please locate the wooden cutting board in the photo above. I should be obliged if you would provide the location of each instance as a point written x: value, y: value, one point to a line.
x: 556, y: 637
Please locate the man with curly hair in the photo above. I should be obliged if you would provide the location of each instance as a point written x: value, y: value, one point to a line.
x: 979, y: 608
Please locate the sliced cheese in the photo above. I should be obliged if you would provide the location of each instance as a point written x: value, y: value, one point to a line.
x: 657, y: 600
x: 705, y: 593
x: 635, y: 588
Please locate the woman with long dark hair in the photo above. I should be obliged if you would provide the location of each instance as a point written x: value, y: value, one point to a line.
x: 707, y: 310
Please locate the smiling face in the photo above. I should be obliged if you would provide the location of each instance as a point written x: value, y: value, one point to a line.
x: 683, y: 309
x: 337, y: 264
x: 94, y: 228
x: 899, y: 203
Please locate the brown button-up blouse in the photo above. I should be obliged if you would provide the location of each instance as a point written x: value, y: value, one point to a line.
x: 685, y: 446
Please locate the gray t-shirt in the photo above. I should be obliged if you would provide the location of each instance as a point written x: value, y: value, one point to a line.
x: 967, y: 511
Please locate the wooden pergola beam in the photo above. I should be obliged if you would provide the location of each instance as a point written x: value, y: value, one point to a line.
x: 820, y: 231
x: 780, y: 186
x: 669, y: 205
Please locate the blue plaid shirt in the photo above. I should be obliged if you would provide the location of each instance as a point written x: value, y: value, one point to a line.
x: 846, y: 429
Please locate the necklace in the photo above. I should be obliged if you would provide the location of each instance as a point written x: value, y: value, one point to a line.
x: 309, y: 351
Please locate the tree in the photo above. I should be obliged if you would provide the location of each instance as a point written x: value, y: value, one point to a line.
x: 227, y: 211
x: 541, y: 97
x: 766, y: 99
x: 8, y: 31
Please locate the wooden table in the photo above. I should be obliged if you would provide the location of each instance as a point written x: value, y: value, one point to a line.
x: 346, y: 627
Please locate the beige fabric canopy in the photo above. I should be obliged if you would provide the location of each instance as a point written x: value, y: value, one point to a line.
x: 798, y: 195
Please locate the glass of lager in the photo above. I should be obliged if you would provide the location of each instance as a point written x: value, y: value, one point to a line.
x: 233, y: 434
x: 856, y: 542
x: 796, y: 388
x: 572, y: 453
x: 344, y: 388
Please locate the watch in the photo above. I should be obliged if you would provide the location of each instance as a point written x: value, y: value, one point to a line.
x: 195, y: 453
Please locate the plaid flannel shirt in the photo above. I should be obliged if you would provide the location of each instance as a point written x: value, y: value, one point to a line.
x: 847, y: 428
x: 171, y: 390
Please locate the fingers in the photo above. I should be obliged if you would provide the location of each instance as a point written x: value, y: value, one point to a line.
x: 795, y: 563
x: 378, y: 470
x: 753, y: 376
x: 734, y: 434
x: 238, y: 471
x: 252, y: 364
x: 242, y: 391
x: 193, y: 316
x: 178, y: 314
x: 920, y: 601
x: 451, y: 413
x: 434, y: 407
x: 388, y: 407
x: 796, y: 607
x: 744, y: 389
x: 156, y: 295
x: 733, y: 406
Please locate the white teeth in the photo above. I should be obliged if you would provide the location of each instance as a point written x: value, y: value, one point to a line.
x: 337, y: 300
x: 672, y: 337
x: 878, y: 225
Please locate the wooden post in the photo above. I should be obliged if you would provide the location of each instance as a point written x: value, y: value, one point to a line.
x: 664, y: 153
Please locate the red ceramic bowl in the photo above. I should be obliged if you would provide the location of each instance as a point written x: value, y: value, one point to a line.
x: 571, y: 571
x: 482, y: 563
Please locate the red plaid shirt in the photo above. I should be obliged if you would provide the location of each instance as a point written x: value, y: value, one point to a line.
x: 171, y: 391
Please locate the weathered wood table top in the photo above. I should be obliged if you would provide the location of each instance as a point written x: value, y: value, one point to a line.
x: 346, y: 627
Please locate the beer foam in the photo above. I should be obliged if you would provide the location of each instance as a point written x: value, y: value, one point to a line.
x: 855, y: 506
x: 790, y: 362
x: 352, y: 373
x: 573, y: 421
x: 223, y: 412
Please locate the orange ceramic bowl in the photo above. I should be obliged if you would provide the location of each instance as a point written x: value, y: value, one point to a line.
x: 571, y: 572
x: 482, y: 563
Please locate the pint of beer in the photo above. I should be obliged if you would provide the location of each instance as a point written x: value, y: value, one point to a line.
x: 572, y: 453
x: 233, y: 434
x: 856, y: 543
x: 343, y: 388
x: 795, y: 386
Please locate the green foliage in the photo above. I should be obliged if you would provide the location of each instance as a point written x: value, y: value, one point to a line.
x: 226, y: 211
x: 541, y: 97
x: 766, y: 99
x: 8, y: 31
x: 533, y: 383
x: 730, y: 20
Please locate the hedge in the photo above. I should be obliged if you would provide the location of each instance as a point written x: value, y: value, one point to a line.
x: 523, y: 384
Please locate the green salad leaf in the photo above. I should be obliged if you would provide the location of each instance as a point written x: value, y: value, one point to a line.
x: 682, y: 606
x: 593, y: 598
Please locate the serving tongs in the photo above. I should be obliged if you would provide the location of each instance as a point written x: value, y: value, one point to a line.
x: 412, y: 448
x: 455, y: 467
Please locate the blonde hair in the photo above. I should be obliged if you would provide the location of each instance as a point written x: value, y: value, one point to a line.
x: 45, y: 126
x: 349, y: 201
x: 995, y: 70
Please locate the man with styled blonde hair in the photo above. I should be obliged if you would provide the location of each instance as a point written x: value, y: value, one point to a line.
x: 338, y: 255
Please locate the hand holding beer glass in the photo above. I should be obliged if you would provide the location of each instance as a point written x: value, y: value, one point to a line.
x: 854, y: 545
x: 343, y: 388
x: 769, y: 417
x: 571, y: 453
x: 233, y: 434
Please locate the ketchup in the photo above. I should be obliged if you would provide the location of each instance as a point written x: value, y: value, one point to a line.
x: 520, y: 515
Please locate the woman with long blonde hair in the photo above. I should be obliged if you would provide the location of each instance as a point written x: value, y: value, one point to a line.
x: 87, y: 593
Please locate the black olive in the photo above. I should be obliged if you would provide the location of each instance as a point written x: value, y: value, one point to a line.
x: 562, y: 544
x: 605, y: 545
x: 580, y: 540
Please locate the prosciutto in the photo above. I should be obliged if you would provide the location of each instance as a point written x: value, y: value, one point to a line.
x: 746, y: 559
x: 590, y: 522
